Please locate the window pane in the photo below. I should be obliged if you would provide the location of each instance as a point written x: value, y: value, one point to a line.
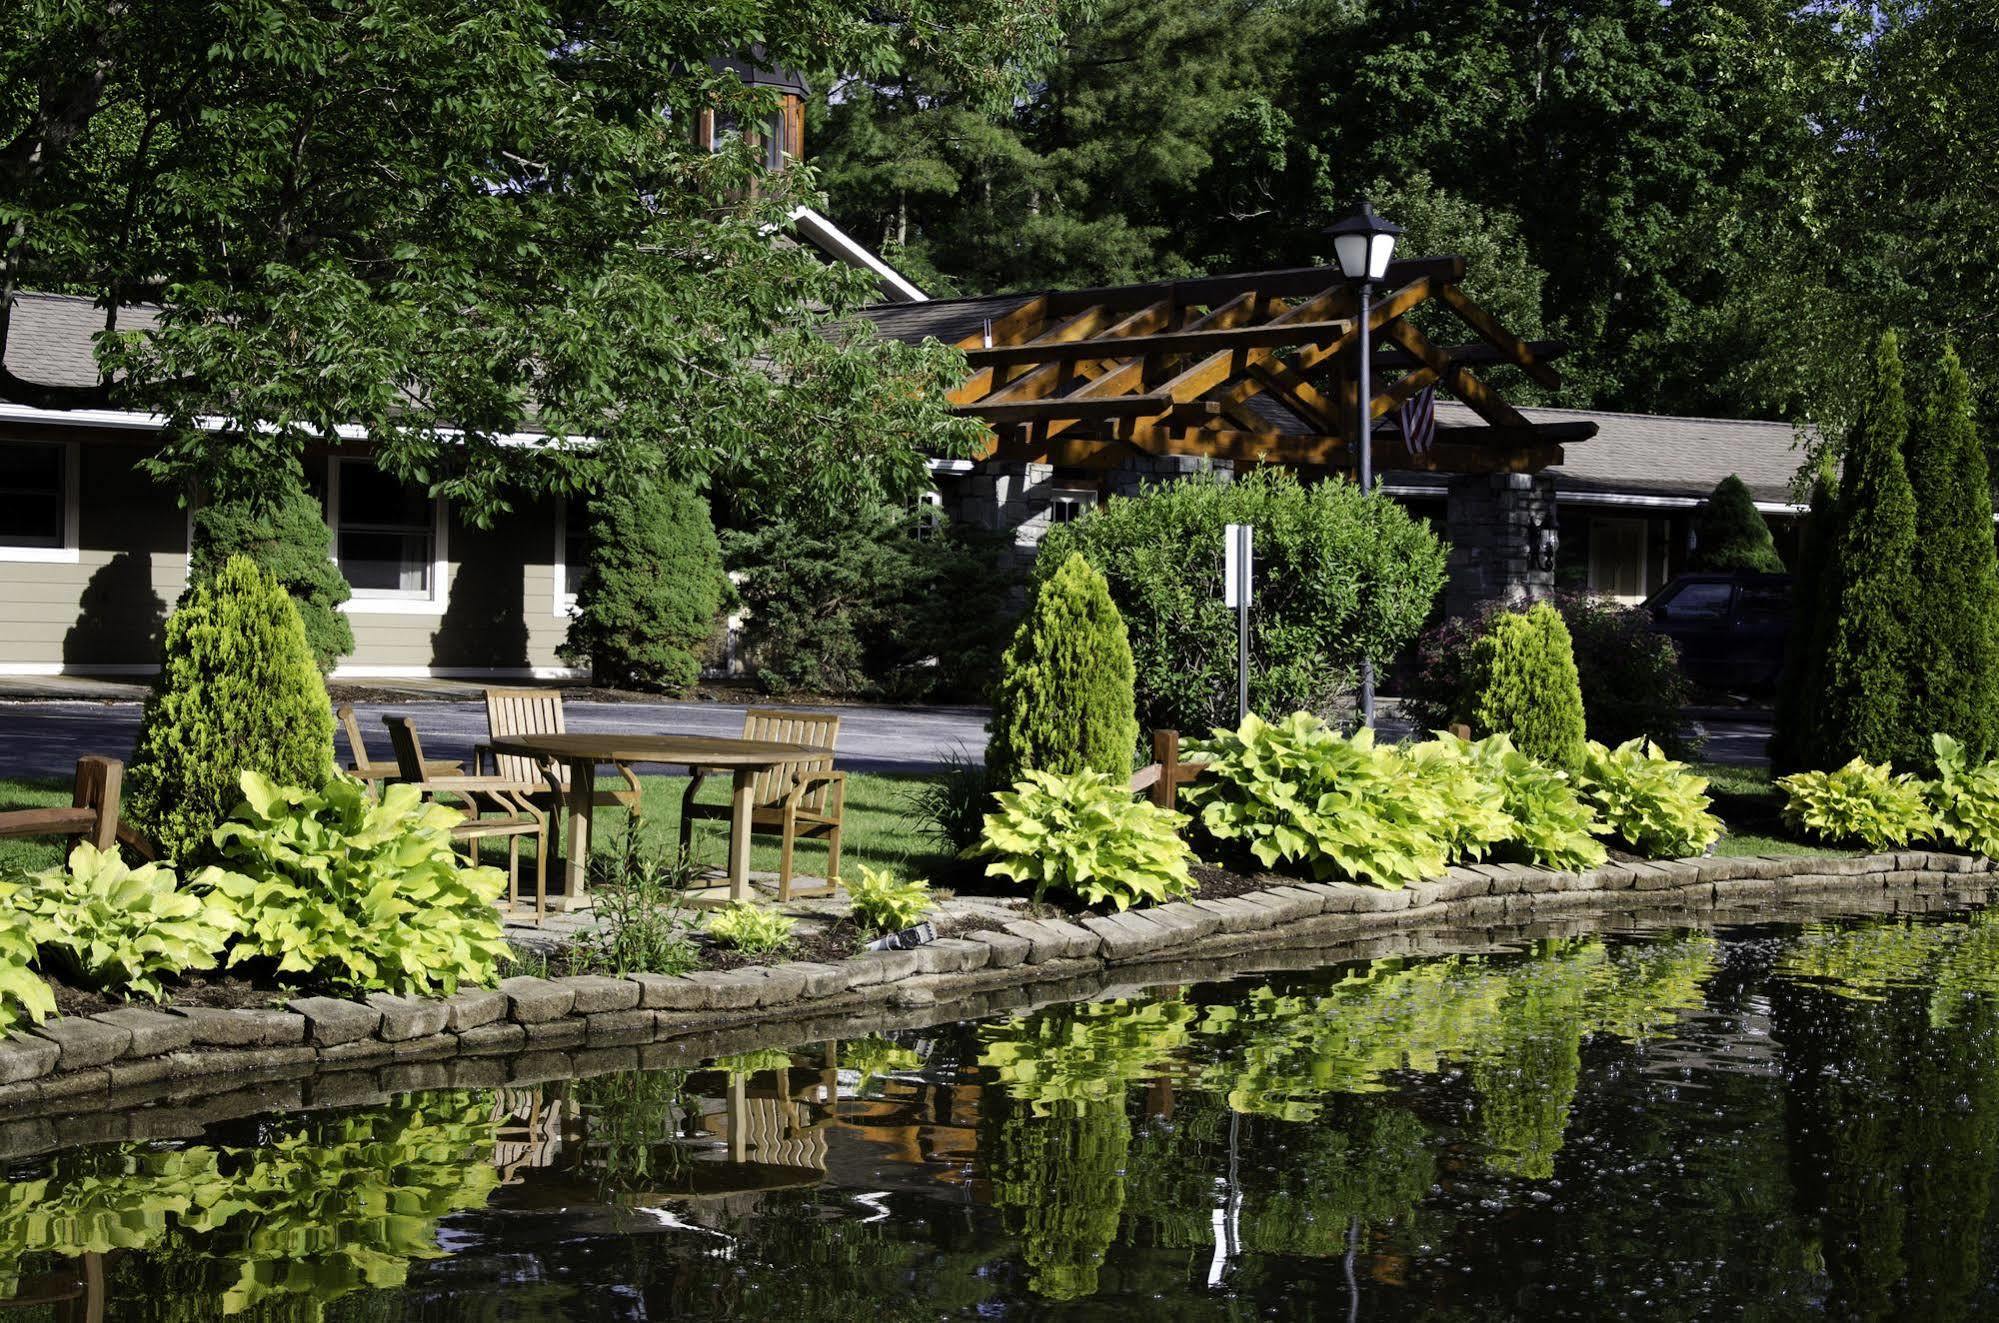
x: 1699, y: 601
x: 384, y: 561
x: 386, y: 535
x: 575, y: 544
x: 370, y: 496
x: 31, y: 494
x: 1763, y: 602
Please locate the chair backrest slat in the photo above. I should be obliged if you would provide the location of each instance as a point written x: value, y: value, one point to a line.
x: 522, y: 712
x: 409, y: 749
x: 821, y: 730
x: 357, y: 747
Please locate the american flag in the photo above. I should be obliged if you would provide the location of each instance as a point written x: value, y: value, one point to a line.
x: 1417, y: 419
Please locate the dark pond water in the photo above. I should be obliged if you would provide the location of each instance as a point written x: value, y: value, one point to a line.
x: 1768, y: 1123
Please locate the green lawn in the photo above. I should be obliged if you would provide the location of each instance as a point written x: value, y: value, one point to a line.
x: 25, y: 856
x: 1752, y: 788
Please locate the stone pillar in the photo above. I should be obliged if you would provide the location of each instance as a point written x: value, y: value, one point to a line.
x: 1503, y: 536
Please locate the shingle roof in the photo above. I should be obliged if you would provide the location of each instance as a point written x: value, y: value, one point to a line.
x: 949, y: 320
x: 50, y: 340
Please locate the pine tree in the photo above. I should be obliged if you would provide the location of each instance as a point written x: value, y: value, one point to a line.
x: 289, y: 539
x: 1065, y: 700
x: 1522, y: 681
x: 1863, y: 703
x: 1794, y: 744
x: 652, y: 590
x: 1731, y: 533
x: 1954, y: 684
x: 237, y: 691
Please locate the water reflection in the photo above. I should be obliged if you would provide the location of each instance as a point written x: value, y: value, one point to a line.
x: 1790, y: 1122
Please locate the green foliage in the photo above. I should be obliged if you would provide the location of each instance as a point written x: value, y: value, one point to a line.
x: 510, y: 243
x: 1065, y: 702
x: 641, y: 927
x: 1862, y: 708
x: 1084, y: 833
x: 885, y: 902
x: 1298, y: 791
x: 1656, y: 806
x: 875, y: 1057
x: 367, y: 895
x: 1521, y: 681
x: 1965, y: 797
x: 120, y: 929
x: 750, y: 928
x: 1467, y: 808
x: 1630, y: 674
x: 1862, y: 801
x: 237, y: 692
x: 1954, y: 618
x: 1084, y: 1052
x: 1794, y: 743
x: 1731, y: 533
x: 24, y: 995
x: 865, y: 600
x: 953, y: 806
x: 288, y: 538
x: 1552, y: 827
x: 1058, y: 1182
x: 652, y: 588
x: 1338, y: 576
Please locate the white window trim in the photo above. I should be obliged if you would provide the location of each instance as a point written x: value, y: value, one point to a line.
x: 71, y: 550
x: 1644, y: 558
x: 1087, y: 497
x: 564, y: 605
x: 392, y: 602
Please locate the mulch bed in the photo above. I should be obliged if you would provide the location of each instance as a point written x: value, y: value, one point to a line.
x: 838, y: 941
x: 230, y: 990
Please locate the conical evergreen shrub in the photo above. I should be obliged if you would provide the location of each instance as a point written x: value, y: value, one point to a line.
x: 1795, y: 744
x: 1522, y: 681
x: 652, y: 590
x: 238, y: 691
x: 1863, y: 703
x: 1954, y: 619
x: 286, y: 536
x: 1731, y: 533
x: 1065, y: 700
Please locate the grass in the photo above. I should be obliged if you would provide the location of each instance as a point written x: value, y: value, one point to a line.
x: 1760, y: 832
x: 28, y: 855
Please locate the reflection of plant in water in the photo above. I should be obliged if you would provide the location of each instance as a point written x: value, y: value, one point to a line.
x: 1057, y: 1172
x: 743, y: 1065
x: 1958, y: 961
x: 874, y: 1057
x: 1371, y: 1171
x: 630, y: 1120
x: 318, y: 1213
x: 1086, y: 1051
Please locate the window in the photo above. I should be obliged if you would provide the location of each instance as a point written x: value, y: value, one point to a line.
x: 1617, y: 556
x: 386, y: 536
x: 1067, y: 507
x: 929, y: 516
x: 1765, y: 602
x: 1698, y: 601
x: 572, y: 549
x: 37, y: 500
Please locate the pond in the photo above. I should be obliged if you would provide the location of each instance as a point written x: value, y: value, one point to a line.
x: 1788, y: 1120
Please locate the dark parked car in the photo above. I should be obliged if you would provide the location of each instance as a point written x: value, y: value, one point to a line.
x: 1730, y: 627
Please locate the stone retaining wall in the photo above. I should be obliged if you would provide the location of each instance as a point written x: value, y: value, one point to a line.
x: 134, y: 1056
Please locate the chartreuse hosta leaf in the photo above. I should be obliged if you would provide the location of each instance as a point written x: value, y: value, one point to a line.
x: 368, y: 895
x: 1655, y: 805
x: 884, y: 901
x: 122, y: 929
x: 1965, y: 798
x: 24, y: 994
x: 1862, y: 801
x: 1084, y: 833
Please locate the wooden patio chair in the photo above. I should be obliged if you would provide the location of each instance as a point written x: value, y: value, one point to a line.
x: 539, y: 712
x: 797, y: 801
x: 513, y: 815
x: 372, y: 770
x: 93, y: 811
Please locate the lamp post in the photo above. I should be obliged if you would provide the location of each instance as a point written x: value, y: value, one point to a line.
x: 1363, y: 243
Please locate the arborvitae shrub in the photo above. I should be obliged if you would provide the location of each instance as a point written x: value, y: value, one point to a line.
x: 1731, y: 533
x: 1065, y: 699
x: 1954, y: 621
x: 652, y: 589
x: 1522, y: 681
x: 1862, y: 709
x: 238, y: 691
x: 288, y: 538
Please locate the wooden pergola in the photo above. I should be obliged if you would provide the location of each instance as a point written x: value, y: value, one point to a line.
x: 1256, y: 368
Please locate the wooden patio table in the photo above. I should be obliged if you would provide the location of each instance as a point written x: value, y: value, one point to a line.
x: 581, y: 751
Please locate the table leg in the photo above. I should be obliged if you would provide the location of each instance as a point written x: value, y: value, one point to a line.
x: 576, y: 837
x: 744, y: 784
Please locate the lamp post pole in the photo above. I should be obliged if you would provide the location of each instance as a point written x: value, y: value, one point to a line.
x: 1364, y: 432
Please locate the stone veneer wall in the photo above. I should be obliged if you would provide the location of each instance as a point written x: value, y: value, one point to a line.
x: 133, y: 1057
x: 1504, y: 538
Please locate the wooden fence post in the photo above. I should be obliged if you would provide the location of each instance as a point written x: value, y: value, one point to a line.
x: 99, y: 787
x: 1166, y: 752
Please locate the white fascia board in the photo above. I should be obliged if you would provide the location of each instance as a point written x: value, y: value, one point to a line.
x: 127, y: 420
x: 831, y: 239
x: 1628, y: 500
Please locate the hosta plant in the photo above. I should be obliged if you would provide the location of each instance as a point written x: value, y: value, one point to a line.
x: 367, y: 895
x: 1084, y: 833
x: 750, y: 928
x: 24, y: 994
x: 1965, y: 798
x: 884, y: 902
x: 1862, y: 801
x: 1471, y: 818
x: 1657, y: 806
x: 1552, y: 827
x: 121, y: 929
x: 1297, y: 791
